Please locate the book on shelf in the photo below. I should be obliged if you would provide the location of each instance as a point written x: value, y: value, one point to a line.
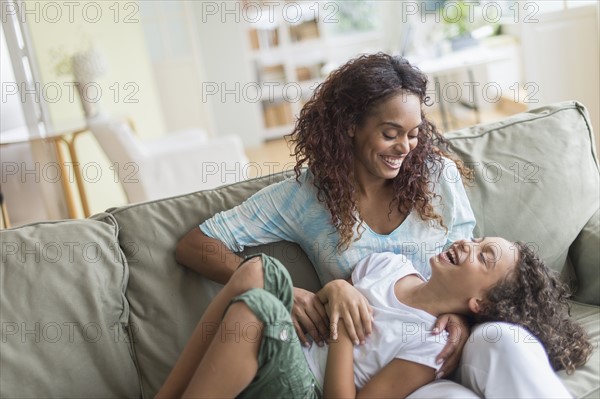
x: 305, y: 31
x: 272, y: 73
x: 277, y: 114
x: 267, y: 38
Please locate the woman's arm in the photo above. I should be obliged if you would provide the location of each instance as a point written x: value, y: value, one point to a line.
x: 212, y: 259
x: 262, y: 218
x: 206, y: 256
x: 459, y: 331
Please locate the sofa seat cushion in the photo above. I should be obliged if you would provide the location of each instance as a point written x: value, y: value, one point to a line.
x: 585, y: 256
x: 585, y: 381
x: 167, y: 299
x: 63, y: 312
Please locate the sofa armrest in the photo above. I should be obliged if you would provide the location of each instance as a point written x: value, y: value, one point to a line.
x: 199, y: 166
x: 179, y: 140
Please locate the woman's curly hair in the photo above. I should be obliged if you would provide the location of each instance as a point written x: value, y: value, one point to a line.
x: 343, y: 102
x: 534, y: 297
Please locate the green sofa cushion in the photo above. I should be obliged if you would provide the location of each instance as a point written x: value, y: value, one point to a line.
x: 167, y: 299
x: 585, y: 256
x: 584, y: 382
x: 63, y: 312
x: 536, y: 179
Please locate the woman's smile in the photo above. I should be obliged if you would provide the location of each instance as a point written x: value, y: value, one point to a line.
x: 393, y: 162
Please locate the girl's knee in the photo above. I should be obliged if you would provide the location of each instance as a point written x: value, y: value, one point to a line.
x: 248, y: 275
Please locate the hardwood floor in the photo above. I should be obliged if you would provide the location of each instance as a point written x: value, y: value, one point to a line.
x: 271, y: 157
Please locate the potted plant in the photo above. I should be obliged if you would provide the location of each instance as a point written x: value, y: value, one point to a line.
x: 455, y: 15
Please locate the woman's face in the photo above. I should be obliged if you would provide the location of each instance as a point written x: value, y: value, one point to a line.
x: 386, y: 137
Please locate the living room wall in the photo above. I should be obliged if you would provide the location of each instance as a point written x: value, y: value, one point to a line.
x: 127, y: 89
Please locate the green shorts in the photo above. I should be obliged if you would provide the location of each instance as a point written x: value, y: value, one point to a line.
x: 282, y: 368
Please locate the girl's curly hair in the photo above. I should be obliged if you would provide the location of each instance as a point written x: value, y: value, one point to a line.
x: 534, y: 297
x: 343, y: 102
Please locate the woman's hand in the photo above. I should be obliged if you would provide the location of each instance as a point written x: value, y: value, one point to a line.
x: 309, y: 317
x: 344, y: 301
x: 459, y: 330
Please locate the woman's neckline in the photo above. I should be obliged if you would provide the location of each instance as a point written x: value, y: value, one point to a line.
x: 391, y: 233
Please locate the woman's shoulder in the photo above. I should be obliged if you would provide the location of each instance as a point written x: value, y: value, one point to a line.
x: 441, y: 163
x: 305, y: 177
x: 299, y: 187
x: 444, y: 171
x: 303, y: 181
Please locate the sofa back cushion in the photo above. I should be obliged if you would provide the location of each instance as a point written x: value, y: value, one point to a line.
x: 535, y: 179
x: 166, y: 299
x: 63, y: 312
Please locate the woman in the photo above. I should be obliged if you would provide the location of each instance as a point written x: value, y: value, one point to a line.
x: 376, y: 181
x: 488, y: 279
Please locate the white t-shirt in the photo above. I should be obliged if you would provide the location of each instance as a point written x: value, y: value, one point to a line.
x: 399, y: 331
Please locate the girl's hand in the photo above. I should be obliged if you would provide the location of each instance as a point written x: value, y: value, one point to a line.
x: 459, y: 330
x: 309, y: 317
x: 346, y: 302
x: 339, y: 371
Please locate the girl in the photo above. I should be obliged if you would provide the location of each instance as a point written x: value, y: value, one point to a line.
x: 247, y: 347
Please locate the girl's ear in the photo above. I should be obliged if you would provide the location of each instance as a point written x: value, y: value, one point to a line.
x: 475, y: 305
x: 352, y: 131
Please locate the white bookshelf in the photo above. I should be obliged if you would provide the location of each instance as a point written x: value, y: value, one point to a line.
x: 290, y: 58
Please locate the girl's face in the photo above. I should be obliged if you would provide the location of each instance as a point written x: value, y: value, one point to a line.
x: 386, y: 137
x: 470, y: 268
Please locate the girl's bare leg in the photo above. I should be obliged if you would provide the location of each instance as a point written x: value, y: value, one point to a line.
x: 230, y: 363
x: 248, y: 276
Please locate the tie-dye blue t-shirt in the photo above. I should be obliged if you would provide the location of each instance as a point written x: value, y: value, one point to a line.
x: 289, y: 210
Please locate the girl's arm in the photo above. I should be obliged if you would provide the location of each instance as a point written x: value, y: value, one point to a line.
x: 396, y: 380
x: 339, y: 372
x: 346, y: 305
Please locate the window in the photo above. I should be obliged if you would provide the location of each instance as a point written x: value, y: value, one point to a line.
x: 166, y: 37
x: 342, y: 17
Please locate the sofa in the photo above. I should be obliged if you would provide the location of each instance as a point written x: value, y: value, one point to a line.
x: 99, y: 308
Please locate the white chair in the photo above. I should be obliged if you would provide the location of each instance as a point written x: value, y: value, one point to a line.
x: 178, y: 163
